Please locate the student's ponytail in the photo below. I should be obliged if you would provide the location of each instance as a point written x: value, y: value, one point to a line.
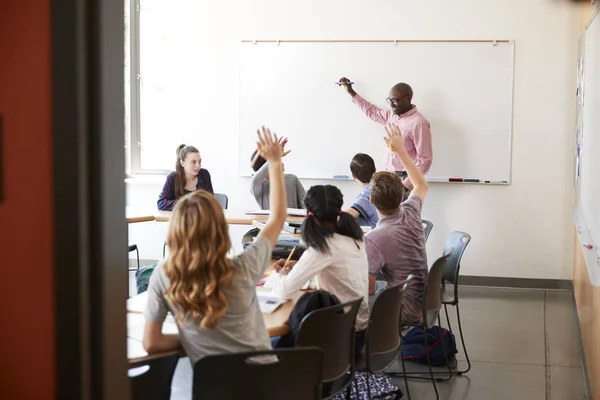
x: 325, y: 218
x: 347, y: 226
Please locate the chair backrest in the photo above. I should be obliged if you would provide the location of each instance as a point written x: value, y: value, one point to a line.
x: 383, y: 333
x: 332, y: 330
x: 222, y: 199
x: 433, y: 290
x: 457, y: 241
x: 277, y: 374
x: 154, y: 383
x: 427, y: 227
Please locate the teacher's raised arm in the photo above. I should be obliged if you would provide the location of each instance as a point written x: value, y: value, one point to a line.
x: 402, y: 113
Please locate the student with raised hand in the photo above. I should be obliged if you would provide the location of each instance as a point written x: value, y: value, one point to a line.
x: 396, y: 247
x: 335, y: 255
x: 188, y: 177
x: 260, y: 185
x: 212, y: 297
x: 363, y: 168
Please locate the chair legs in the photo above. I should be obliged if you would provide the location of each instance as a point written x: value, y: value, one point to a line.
x: 405, y: 377
x: 437, y: 395
x: 164, y: 249
x: 462, y: 340
x: 137, y: 254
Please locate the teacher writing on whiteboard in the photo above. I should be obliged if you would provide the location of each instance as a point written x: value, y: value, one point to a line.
x: 415, y: 128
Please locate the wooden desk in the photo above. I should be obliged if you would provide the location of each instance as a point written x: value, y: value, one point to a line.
x: 232, y: 217
x: 136, y: 214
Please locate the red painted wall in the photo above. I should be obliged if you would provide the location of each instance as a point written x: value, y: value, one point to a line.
x: 27, y: 351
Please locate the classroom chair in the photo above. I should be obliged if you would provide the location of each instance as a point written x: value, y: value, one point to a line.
x: 427, y: 227
x: 293, y: 374
x: 383, y: 343
x: 457, y: 241
x: 151, y: 380
x: 223, y: 201
x: 332, y: 330
x: 431, y: 306
x: 133, y: 247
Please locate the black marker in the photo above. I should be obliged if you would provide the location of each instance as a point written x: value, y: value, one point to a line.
x: 471, y: 180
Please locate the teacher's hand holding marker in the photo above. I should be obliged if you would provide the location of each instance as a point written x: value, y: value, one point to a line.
x: 403, y: 114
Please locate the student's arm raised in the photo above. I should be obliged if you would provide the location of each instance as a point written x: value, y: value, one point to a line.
x: 394, y: 139
x: 271, y: 150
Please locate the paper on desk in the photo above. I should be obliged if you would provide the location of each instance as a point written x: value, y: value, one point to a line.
x: 268, y: 302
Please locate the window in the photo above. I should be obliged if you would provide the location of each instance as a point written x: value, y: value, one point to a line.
x: 160, y: 65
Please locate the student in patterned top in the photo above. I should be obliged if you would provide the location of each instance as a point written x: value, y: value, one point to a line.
x: 396, y: 247
x: 188, y: 177
x: 213, y: 297
x: 363, y: 168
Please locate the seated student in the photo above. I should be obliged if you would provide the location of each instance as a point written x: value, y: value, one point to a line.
x: 335, y: 255
x: 188, y: 177
x: 363, y: 168
x: 260, y: 186
x: 213, y: 297
x: 396, y: 247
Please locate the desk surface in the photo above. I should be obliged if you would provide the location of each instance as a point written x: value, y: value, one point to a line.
x: 233, y: 217
x: 139, y: 214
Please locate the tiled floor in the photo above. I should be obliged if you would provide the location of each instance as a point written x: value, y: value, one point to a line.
x: 523, y: 344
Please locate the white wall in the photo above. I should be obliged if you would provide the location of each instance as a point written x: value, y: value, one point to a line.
x: 523, y: 230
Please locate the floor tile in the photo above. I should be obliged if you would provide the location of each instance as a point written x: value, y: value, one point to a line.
x: 567, y: 383
x: 561, y: 330
x: 501, y: 325
x: 489, y: 381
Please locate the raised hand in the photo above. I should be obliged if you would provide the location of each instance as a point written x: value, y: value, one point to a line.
x: 393, y: 138
x: 268, y: 145
x: 283, y: 141
x: 345, y: 83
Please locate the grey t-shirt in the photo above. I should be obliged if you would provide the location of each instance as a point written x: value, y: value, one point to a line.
x: 261, y: 187
x: 242, y: 328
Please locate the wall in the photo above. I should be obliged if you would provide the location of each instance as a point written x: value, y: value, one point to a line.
x: 27, y: 336
x: 587, y: 297
x: 523, y: 230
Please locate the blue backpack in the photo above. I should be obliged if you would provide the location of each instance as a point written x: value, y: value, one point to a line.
x: 441, y: 346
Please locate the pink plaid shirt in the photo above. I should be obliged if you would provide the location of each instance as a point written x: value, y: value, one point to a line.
x: 415, y: 129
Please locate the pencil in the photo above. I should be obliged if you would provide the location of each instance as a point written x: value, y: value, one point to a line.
x: 289, y: 258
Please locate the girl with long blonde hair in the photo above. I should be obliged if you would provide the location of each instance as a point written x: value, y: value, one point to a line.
x: 212, y: 297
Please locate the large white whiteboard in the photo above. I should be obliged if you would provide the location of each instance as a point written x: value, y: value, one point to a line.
x: 589, y: 162
x: 464, y: 89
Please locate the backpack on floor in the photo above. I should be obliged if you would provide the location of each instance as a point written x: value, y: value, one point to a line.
x: 441, y: 345
x: 381, y: 388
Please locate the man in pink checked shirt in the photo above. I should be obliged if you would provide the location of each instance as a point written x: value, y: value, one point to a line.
x: 415, y: 128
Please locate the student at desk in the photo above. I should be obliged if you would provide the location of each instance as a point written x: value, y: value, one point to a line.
x: 363, y: 168
x: 213, y: 298
x: 188, y: 177
x: 335, y: 255
x: 396, y: 247
x: 260, y: 185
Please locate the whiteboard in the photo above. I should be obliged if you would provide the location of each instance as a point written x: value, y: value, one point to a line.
x: 464, y: 89
x: 588, y: 140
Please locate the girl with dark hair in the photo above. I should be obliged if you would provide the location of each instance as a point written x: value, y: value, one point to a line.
x: 188, y: 177
x: 335, y: 255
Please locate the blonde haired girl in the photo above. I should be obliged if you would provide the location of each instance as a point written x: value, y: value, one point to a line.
x: 213, y: 298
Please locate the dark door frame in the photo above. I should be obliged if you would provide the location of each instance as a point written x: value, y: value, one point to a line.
x: 89, y: 199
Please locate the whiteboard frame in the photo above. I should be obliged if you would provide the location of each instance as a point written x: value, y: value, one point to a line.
x: 494, y: 42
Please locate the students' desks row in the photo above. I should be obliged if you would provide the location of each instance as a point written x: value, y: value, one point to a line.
x: 135, y: 214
